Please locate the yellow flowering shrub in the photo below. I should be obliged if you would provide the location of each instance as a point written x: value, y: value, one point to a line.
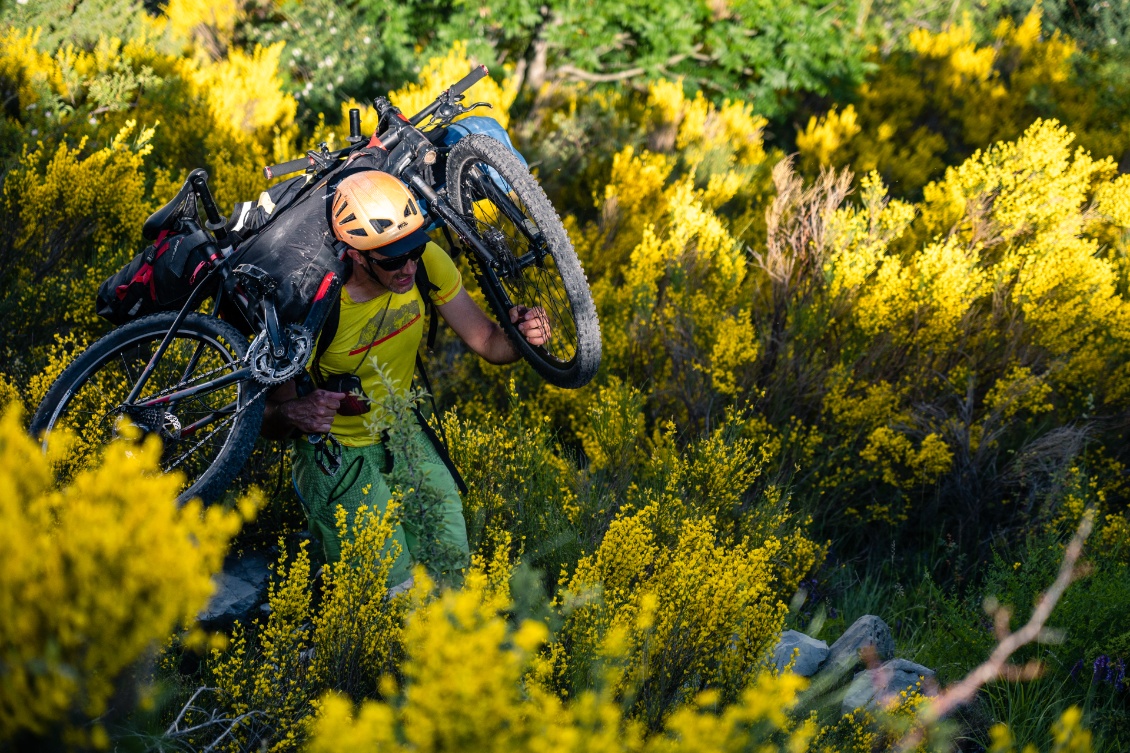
x: 682, y: 611
x: 25, y: 72
x: 95, y: 575
x: 463, y: 687
x: 441, y: 72
x: 211, y: 20
x: 244, y: 92
x: 932, y: 104
x: 611, y: 427
x: 517, y: 481
x: 270, y: 674
x: 666, y: 265
x: 468, y: 685
x: 64, y: 231
x: 952, y: 328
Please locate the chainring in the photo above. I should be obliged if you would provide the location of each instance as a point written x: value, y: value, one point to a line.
x: 266, y: 369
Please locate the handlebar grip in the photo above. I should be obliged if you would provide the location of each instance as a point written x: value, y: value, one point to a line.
x: 286, y: 168
x: 476, y: 75
x: 354, y: 126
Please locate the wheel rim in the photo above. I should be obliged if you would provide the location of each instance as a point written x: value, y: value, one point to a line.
x: 526, y: 268
x: 195, y: 432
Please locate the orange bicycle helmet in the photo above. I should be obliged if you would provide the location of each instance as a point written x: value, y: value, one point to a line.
x: 373, y: 211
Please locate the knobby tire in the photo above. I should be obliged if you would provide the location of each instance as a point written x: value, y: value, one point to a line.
x: 203, y: 344
x: 539, y: 265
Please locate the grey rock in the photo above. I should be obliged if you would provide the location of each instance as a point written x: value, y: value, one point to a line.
x: 874, y: 687
x: 812, y: 653
x: 868, y: 630
x: 240, y: 589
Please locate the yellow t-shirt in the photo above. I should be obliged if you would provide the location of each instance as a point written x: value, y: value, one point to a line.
x: 389, y: 327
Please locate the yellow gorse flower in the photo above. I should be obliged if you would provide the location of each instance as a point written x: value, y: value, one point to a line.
x: 95, y: 575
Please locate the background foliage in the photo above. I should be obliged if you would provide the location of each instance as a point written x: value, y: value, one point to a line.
x: 861, y: 271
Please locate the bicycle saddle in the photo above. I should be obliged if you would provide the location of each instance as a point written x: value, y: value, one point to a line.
x: 165, y: 217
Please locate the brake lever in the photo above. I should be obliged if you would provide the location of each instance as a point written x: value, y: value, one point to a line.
x: 452, y: 109
x: 466, y: 110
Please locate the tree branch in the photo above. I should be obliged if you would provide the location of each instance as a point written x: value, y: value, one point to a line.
x: 997, y: 666
x: 570, y: 71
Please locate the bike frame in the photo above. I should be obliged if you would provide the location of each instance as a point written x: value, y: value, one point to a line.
x: 410, y: 151
x: 219, y: 252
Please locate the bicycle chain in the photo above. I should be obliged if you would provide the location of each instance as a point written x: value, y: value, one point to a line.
x: 195, y: 379
x: 261, y: 394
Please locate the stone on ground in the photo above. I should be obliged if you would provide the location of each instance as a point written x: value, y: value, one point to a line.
x: 812, y: 653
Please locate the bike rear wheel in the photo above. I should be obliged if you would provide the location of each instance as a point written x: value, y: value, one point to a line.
x: 535, y: 264
x: 207, y: 436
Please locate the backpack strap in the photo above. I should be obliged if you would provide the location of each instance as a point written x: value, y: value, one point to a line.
x: 326, y: 337
x: 426, y: 289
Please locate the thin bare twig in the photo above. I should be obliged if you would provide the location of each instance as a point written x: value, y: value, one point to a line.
x: 187, y: 706
x: 997, y: 666
x: 234, y: 723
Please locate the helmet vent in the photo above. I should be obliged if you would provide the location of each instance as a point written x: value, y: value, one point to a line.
x: 410, y: 207
x: 341, y: 208
x: 360, y: 232
x: 381, y: 224
x: 350, y: 218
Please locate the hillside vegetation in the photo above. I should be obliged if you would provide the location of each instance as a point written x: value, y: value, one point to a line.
x: 862, y: 277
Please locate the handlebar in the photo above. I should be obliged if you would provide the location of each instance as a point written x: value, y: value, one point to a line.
x: 476, y: 75
x: 285, y: 168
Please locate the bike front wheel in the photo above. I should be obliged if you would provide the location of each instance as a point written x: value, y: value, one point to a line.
x: 207, y: 436
x: 534, y: 263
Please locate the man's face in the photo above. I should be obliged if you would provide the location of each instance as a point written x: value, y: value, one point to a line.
x: 400, y: 281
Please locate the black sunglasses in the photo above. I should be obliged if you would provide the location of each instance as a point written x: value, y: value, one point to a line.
x: 398, y: 262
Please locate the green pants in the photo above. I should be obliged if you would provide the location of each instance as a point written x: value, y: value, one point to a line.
x: 365, y: 469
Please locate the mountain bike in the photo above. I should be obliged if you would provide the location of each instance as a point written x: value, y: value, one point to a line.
x: 197, y: 381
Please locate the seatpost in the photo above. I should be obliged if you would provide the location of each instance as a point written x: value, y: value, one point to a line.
x: 216, y: 222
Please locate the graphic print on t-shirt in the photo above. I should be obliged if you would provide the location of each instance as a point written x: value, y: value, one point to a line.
x: 386, y: 324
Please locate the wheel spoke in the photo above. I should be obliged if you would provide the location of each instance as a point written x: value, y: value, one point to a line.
x: 197, y: 431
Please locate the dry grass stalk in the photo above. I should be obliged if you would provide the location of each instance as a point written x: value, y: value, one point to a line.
x: 797, y: 222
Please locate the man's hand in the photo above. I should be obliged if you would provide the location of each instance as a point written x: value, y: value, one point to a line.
x: 313, y: 414
x: 533, y: 324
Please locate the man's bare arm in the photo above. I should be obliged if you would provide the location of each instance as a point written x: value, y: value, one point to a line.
x: 485, y: 336
x: 286, y: 412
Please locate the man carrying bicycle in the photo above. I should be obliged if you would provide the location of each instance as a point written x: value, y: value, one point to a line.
x: 381, y: 320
